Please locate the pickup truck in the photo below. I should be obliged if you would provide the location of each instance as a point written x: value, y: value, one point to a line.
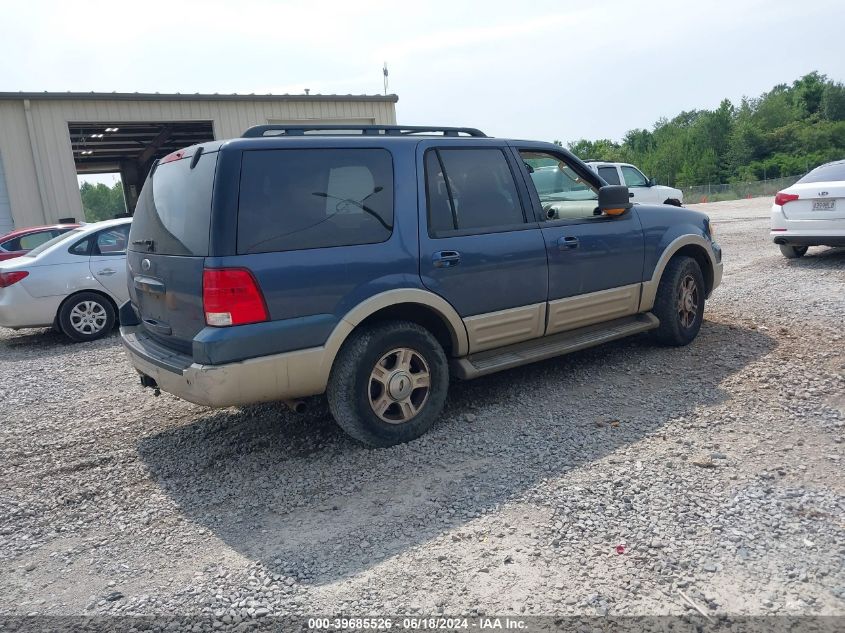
x: 642, y: 189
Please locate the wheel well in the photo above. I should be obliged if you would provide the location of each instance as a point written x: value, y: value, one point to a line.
x: 700, y: 256
x: 93, y: 292
x: 420, y: 314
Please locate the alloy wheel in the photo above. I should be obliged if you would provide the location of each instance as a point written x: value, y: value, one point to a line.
x: 88, y: 317
x: 688, y: 301
x: 399, y: 386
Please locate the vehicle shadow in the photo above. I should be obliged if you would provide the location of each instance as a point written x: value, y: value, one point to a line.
x: 829, y: 258
x: 28, y: 344
x: 296, y: 494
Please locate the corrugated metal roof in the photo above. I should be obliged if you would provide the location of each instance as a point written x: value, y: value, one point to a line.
x: 183, y: 96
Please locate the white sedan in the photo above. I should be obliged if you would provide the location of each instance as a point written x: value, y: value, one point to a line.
x: 811, y: 212
x: 73, y: 283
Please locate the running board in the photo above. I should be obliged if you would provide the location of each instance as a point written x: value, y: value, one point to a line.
x: 494, y: 360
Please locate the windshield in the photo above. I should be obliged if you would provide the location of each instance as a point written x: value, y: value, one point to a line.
x: 64, y: 236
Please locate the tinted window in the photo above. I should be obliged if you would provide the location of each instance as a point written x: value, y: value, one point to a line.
x: 112, y: 241
x: 82, y: 247
x: 831, y: 172
x: 11, y: 245
x: 634, y: 177
x: 563, y: 194
x: 478, y: 187
x: 174, y: 209
x: 610, y: 175
x: 294, y: 199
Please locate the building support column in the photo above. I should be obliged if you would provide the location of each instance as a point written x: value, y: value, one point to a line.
x: 36, y: 156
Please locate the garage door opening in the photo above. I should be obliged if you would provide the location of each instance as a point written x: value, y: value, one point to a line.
x: 102, y: 196
x: 130, y: 149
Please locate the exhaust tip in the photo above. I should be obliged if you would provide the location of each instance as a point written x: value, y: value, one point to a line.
x: 297, y: 406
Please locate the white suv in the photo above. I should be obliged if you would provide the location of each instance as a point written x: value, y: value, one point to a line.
x: 811, y: 212
x: 642, y: 189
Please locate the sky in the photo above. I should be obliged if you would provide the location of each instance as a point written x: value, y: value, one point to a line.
x: 534, y: 69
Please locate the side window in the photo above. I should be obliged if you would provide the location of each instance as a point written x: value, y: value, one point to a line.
x: 82, y: 247
x: 28, y: 242
x: 634, y: 177
x: 563, y: 194
x: 471, y: 190
x: 11, y: 245
x: 112, y: 241
x: 293, y: 199
x: 610, y: 175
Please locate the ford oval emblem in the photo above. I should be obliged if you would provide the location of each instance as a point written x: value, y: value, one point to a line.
x: 145, y: 265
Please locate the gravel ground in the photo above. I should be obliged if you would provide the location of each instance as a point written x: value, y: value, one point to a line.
x: 716, y: 469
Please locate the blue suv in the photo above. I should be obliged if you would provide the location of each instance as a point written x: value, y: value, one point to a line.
x: 373, y: 264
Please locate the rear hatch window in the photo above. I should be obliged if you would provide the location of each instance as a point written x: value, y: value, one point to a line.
x: 168, y: 245
x: 174, y: 211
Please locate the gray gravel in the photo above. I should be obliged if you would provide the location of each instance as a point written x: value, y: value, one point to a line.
x: 717, y: 471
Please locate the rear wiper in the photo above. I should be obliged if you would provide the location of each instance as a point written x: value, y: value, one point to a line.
x: 150, y: 244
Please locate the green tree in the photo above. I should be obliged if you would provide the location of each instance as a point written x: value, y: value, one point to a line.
x: 783, y: 132
x: 833, y: 102
x: 101, y: 202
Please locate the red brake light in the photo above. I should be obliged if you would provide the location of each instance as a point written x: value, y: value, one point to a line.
x: 782, y: 198
x: 7, y: 279
x: 231, y: 296
x: 177, y: 155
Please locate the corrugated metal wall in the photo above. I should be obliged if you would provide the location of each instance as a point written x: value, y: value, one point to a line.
x: 6, y: 222
x: 40, y: 171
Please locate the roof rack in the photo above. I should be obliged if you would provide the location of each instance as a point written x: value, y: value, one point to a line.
x: 365, y: 130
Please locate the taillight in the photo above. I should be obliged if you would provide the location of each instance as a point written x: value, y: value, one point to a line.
x: 7, y: 279
x: 231, y: 296
x: 782, y: 198
x: 179, y: 154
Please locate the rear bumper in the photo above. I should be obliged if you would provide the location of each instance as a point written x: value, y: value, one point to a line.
x: 806, y: 232
x: 268, y: 378
x: 19, y: 309
x: 808, y: 238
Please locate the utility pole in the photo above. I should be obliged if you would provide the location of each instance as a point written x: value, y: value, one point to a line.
x: 384, y: 70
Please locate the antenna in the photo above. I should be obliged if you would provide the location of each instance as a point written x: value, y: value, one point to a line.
x: 384, y: 70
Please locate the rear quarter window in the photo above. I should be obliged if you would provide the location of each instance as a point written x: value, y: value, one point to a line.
x: 292, y: 199
x: 174, y: 209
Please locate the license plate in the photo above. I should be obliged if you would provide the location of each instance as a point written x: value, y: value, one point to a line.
x: 824, y: 205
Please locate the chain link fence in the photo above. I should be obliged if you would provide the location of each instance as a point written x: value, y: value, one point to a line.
x: 737, y: 190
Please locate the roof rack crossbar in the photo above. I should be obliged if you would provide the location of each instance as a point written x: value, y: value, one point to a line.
x: 258, y: 131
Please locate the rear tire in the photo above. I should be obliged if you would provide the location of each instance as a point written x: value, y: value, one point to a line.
x: 679, y: 303
x: 86, y: 316
x: 793, y: 252
x: 388, y: 383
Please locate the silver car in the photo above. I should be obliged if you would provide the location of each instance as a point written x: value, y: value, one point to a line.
x: 73, y: 283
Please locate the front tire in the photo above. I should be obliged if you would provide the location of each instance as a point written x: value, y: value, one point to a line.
x: 673, y: 201
x: 679, y: 303
x: 388, y: 383
x: 86, y: 316
x: 792, y: 252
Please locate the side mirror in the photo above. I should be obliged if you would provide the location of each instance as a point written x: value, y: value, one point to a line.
x: 614, y: 199
x: 651, y: 182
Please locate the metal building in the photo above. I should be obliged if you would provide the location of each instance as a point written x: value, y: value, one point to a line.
x: 47, y: 138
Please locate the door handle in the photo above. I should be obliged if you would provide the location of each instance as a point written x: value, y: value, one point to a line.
x: 568, y: 243
x: 106, y: 272
x: 630, y: 194
x: 446, y: 259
